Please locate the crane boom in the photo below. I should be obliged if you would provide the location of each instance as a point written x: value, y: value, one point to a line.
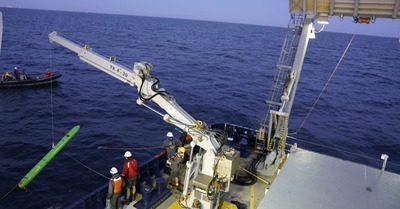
x: 202, y: 170
x: 102, y: 63
x: 147, y: 86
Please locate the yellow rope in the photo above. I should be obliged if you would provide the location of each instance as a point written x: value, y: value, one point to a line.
x: 259, y: 178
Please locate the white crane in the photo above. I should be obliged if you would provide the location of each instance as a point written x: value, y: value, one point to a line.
x: 204, y: 179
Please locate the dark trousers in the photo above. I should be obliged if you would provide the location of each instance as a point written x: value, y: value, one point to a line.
x: 115, y: 201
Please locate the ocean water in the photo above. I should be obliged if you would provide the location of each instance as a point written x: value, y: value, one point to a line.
x: 218, y: 72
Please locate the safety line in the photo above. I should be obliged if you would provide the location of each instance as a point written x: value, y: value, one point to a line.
x: 128, y: 148
x: 339, y: 150
x: 321, y: 145
x: 326, y: 84
x: 86, y: 166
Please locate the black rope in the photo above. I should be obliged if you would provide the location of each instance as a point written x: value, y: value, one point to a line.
x: 8, y: 192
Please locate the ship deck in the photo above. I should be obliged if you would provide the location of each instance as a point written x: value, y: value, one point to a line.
x: 312, y: 180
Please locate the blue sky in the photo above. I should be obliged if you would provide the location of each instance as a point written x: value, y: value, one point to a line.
x: 258, y: 12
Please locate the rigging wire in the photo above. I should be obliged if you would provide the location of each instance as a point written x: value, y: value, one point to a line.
x: 8, y: 192
x: 85, y: 165
x: 128, y: 148
x: 316, y: 101
x: 51, y: 98
x: 339, y: 150
x: 326, y: 85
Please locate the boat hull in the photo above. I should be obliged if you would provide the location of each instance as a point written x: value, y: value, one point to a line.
x: 32, y: 80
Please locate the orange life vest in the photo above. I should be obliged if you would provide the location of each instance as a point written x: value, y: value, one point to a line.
x: 117, y: 184
x: 176, y: 156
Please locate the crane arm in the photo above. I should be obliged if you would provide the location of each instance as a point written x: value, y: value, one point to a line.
x: 147, y: 87
x: 203, y: 175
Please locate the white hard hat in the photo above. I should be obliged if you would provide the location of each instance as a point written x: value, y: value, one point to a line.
x: 127, y: 154
x: 169, y: 134
x: 113, y: 170
x: 15, y: 68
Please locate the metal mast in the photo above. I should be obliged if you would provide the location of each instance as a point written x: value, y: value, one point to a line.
x: 274, y: 121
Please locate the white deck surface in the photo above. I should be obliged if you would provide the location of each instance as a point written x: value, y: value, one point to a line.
x: 315, y: 181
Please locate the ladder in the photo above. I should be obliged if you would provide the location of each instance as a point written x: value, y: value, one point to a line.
x: 283, y: 70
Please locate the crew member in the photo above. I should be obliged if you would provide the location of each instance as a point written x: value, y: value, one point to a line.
x: 114, y: 189
x: 171, y: 144
x: 186, y: 139
x: 16, y: 73
x: 130, y: 172
x: 48, y: 73
x: 6, y: 76
x: 23, y: 75
x: 177, y: 164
